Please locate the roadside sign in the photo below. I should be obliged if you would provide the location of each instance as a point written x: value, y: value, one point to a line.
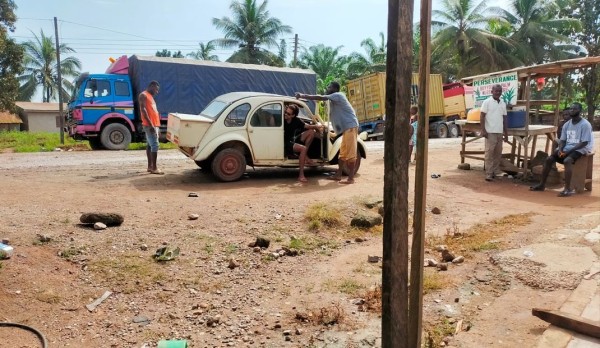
x: 483, y: 88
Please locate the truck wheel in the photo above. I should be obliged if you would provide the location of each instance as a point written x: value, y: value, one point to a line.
x: 441, y: 131
x: 95, y: 144
x: 452, y: 130
x: 229, y: 164
x: 115, y: 136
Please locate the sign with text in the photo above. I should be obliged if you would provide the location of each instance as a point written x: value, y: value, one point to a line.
x: 483, y: 88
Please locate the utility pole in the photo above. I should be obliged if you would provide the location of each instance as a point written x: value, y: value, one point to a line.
x: 59, y: 82
x: 295, y: 61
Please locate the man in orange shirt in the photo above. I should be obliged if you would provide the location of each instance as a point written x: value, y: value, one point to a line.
x: 151, y: 124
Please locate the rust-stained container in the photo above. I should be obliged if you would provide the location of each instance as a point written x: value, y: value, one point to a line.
x: 367, y: 95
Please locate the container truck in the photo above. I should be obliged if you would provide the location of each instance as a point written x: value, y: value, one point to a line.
x: 104, y: 107
x: 367, y: 96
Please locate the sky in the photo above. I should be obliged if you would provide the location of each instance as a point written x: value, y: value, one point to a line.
x: 100, y: 29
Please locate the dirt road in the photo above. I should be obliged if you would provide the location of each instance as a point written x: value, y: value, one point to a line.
x: 198, y: 297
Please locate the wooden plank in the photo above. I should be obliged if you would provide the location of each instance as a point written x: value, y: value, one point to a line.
x: 570, y: 322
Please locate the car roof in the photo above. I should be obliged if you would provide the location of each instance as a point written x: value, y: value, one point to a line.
x: 235, y: 96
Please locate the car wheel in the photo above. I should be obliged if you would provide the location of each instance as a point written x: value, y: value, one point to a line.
x: 115, y: 136
x: 229, y: 164
x: 356, y: 166
x: 452, y: 130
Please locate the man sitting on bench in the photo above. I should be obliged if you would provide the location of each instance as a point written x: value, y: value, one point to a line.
x: 576, y: 140
x: 298, y: 136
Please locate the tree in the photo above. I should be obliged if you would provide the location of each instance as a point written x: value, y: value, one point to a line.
x: 11, y: 56
x: 41, y: 69
x: 460, y: 35
x: 537, y: 32
x: 326, y: 63
x: 205, y: 52
x: 169, y: 54
x: 373, y: 61
x: 252, y: 30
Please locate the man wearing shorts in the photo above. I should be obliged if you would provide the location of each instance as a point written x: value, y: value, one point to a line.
x: 151, y: 124
x: 298, y: 136
x: 576, y: 140
x: 344, y: 121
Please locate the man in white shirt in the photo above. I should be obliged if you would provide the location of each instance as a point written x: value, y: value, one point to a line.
x: 494, y: 129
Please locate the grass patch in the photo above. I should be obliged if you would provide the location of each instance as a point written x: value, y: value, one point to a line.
x: 128, y: 272
x: 44, y: 141
x: 435, y: 333
x: 347, y: 286
x: 322, y: 215
x: 433, y: 280
x: 311, y: 243
x: 231, y: 248
x: 326, y: 316
x: 71, y: 252
x: 482, y: 237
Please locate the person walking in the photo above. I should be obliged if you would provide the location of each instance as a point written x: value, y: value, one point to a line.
x: 344, y: 122
x: 151, y: 124
x: 576, y: 140
x: 494, y: 129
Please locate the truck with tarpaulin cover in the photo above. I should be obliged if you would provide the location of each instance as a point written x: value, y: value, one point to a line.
x: 104, y: 110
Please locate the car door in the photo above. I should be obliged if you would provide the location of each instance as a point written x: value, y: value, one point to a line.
x: 265, y: 132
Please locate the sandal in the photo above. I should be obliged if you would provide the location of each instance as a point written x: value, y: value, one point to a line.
x: 566, y: 193
x: 537, y: 188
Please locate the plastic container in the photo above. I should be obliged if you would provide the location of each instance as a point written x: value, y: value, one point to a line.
x: 6, y: 251
x: 172, y: 344
x: 516, y: 119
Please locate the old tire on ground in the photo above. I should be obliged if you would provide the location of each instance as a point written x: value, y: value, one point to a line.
x: 229, y: 164
x: 95, y: 144
x: 453, y: 130
x: 441, y: 131
x: 115, y: 136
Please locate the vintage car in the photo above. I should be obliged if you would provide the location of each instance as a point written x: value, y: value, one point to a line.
x: 246, y: 129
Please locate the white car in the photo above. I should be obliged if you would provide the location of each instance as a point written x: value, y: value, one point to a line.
x: 246, y: 129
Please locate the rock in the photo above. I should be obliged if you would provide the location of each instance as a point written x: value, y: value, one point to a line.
x: 373, y: 259
x: 288, y: 338
x: 458, y: 259
x: 109, y: 219
x: 261, y: 242
x: 144, y: 247
x: 99, y: 226
x: 441, y: 248
x: 298, y: 331
x: 256, y: 249
x: 142, y: 320
x: 192, y: 194
x: 447, y: 256
x: 7, y: 241
x: 233, y: 264
x: 436, y: 211
x: 373, y: 204
x: 360, y: 240
x: 213, y: 321
x: 380, y: 211
x: 366, y: 221
x: 442, y: 266
x: 431, y: 262
x: 42, y: 238
x: 290, y: 251
x: 193, y: 217
x: 287, y: 332
x: 464, y: 166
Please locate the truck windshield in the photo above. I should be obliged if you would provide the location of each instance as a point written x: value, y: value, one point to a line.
x: 214, y: 109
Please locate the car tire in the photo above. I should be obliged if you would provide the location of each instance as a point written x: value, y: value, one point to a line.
x: 356, y: 166
x: 229, y: 165
x: 115, y: 136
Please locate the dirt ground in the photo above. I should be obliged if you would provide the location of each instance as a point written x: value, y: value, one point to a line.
x: 198, y: 297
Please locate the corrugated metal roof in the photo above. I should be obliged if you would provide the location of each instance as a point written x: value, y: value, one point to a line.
x: 31, y: 106
x: 8, y: 118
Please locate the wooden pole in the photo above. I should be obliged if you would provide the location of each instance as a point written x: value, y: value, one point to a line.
x: 59, y: 82
x: 394, y: 297
x: 415, y: 307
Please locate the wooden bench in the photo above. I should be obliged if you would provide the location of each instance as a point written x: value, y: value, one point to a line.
x: 582, y: 173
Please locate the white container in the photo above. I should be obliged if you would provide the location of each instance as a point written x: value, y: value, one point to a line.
x: 6, y: 251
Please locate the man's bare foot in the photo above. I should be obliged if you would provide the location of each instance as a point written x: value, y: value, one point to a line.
x: 302, y: 180
x: 347, y: 181
x: 149, y: 170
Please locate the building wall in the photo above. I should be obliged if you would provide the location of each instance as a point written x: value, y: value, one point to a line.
x: 40, y: 121
x: 8, y: 127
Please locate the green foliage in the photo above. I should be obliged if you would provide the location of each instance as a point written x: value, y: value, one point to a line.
x: 11, y: 55
x: 327, y: 63
x: 167, y: 53
x: 373, y: 61
x: 205, y: 52
x: 41, y: 69
x: 252, y: 30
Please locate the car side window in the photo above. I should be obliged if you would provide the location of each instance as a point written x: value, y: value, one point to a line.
x: 267, y: 116
x: 237, y: 116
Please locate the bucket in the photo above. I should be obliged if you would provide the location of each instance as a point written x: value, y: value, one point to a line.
x: 516, y: 119
x: 172, y: 344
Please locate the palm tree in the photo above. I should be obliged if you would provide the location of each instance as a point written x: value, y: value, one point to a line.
x: 537, y: 31
x: 460, y: 35
x: 252, y: 30
x: 326, y: 63
x: 205, y: 52
x: 40, y: 69
x: 373, y: 61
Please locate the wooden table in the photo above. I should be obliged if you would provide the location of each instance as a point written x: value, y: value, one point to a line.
x: 523, y: 144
